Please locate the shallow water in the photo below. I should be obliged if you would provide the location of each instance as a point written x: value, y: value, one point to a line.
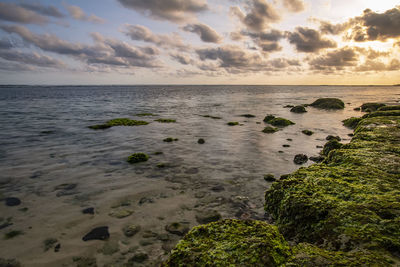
x: 45, y: 142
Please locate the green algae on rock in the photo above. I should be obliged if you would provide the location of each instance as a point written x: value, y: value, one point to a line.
x: 165, y: 120
x: 328, y: 103
x: 298, y: 109
x: 212, y: 117
x: 270, y: 129
x: 248, y: 115
x: 138, y: 157
x: 387, y: 108
x: 118, y: 122
x: 307, y: 132
x: 370, y: 107
x: 277, y: 121
x: 233, y: 123
x: 351, y: 122
x: 170, y: 139
x: 231, y: 243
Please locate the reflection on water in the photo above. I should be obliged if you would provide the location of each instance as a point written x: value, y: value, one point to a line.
x: 44, y: 142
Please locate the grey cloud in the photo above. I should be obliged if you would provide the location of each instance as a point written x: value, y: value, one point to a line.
x: 309, y: 40
x: 270, y: 47
x: 142, y: 33
x: 5, y: 44
x: 371, y: 53
x: 32, y: 59
x: 14, y: 67
x: 77, y: 13
x: 206, y: 33
x: 14, y: 13
x: 267, y: 41
x: 327, y: 27
x: 378, y: 66
x: 336, y: 60
x: 281, y: 63
x: 51, y: 11
x: 181, y: 58
x: 294, y: 5
x: 172, y: 10
x: 260, y: 15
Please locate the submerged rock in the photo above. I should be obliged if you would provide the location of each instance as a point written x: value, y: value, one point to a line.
x: 201, y: 141
x: 170, y: 139
x: 118, y: 122
x: 88, y: 210
x: 370, y: 107
x: 307, y: 132
x: 328, y: 103
x: 277, y: 121
x: 351, y: 122
x: 300, y: 159
x: 49, y: 243
x: 298, y: 109
x: 120, y: 213
x: 248, y: 115
x: 269, y: 178
x: 270, y: 129
x: 9, y: 263
x: 12, y: 201
x: 233, y: 123
x: 207, y: 216
x: 177, y: 228
x: 98, y: 233
x: 138, y: 157
x: 165, y: 120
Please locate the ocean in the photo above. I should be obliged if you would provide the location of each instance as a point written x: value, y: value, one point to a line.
x: 57, y: 166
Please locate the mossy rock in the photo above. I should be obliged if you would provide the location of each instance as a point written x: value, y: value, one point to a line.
x: 388, y: 108
x: 131, y: 230
x: 277, y: 121
x: 307, y: 132
x: 270, y: 129
x: 248, y: 115
x: 138, y: 157
x: 233, y: 123
x: 331, y: 145
x: 120, y: 213
x: 328, y: 103
x: 166, y: 120
x: 268, y: 118
x: 269, y: 178
x: 298, y: 109
x: 371, y: 107
x: 351, y: 122
x: 201, y: 141
x: 118, y: 122
x: 170, y: 139
x: 231, y: 243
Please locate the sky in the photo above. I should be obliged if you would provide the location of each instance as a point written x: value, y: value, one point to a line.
x: 288, y: 42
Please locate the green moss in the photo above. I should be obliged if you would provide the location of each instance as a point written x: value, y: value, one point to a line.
x: 12, y: 234
x: 382, y: 114
x: 268, y: 118
x: 307, y: 132
x: 280, y: 122
x: 371, y: 106
x: 138, y: 157
x: 248, y: 115
x: 298, y: 109
x: 331, y: 145
x: 269, y: 178
x: 212, y: 117
x: 166, y: 120
x: 328, y: 103
x: 233, y: 123
x: 118, y: 122
x: 231, y: 243
x: 387, y: 108
x: 270, y: 129
x: 351, y: 122
x: 170, y: 139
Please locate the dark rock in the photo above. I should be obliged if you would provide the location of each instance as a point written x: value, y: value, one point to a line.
x: 319, y: 146
x: 248, y: 115
x: 5, y: 224
x: 331, y: 137
x: 12, y: 201
x: 288, y: 106
x: 317, y: 159
x: 270, y: 129
x: 286, y: 145
x: 370, y: 107
x: 298, y: 109
x: 170, y: 139
x: 289, y: 139
x: 138, y: 157
x: 328, y: 103
x: 217, y: 188
x: 88, y: 211
x: 207, y: 216
x: 357, y: 109
x: 269, y: 178
x: 284, y: 176
x: 233, y: 123
x: 98, y: 233
x: 300, y: 159
x: 307, y: 132
x: 331, y: 145
x: 57, y: 247
x: 177, y: 228
x: 201, y: 141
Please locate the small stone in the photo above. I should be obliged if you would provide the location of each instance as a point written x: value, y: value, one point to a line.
x: 286, y: 145
x: 177, y: 228
x: 207, y: 216
x: 12, y: 201
x: 98, y: 233
x: 300, y: 159
x: 269, y: 178
x: 307, y: 132
x: 120, y: 213
x: 57, y: 247
x: 88, y: 210
x: 201, y: 141
x: 131, y: 230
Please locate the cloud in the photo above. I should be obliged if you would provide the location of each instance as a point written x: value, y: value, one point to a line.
x: 14, y: 13
x: 206, y: 33
x: 77, y: 13
x: 142, y: 33
x: 327, y: 27
x: 294, y: 6
x: 309, y: 40
x: 50, y: 11
x: 373, y: 26
x: 378, y: 66
x: 5, y: 44
x: 267, y: 41
x: 335, y: 60
x: 172, y: 10
x: 32, y: 59
x: 281, y: 63
x: 181, y: 58
x: 260, y: 15
x: 14, y: 67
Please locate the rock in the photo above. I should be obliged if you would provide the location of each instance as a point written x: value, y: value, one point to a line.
x: 57, y: 247
x: 389, y: 108
x: 331, y: 137
x: 280, y: 122
x: 248, y: 116
x: 286, y: 145
x: 370, y: 107
x: 300, y: 159
x: 328, y: 103
x: 317, y: 159
x: 118, y: 122
x: 163, y: 237
x: 269, y: 178
x: 351, y: 122
x: 88, y: 210
x: 268, y: 118
x: 270, y: 129
x: 12, y: 201
x: 144, y: 200
x: 331, y: 145
x: 138, y: 157
x: 289, y: 139
x: 284, y: 176
x: 170, y: 139
x: 207, y: 216
x: 12, y: 234
x: 217, y: 188
x: 357, y: 109
x: 138, y: 257
x: 98, y: 233
x: 307, y: 132
x: 233, y: 123
x: 9, y: 263
x: 201, y: 141
x: 289, y: 106
x: 165, y: 120
x: 298, y: 109
x: 177, y: 228
x: 131, y: 230
x: 120, y: 213
x: 49, y: 243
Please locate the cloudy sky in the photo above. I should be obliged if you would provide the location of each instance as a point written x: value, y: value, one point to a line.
x: 200, y: 42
